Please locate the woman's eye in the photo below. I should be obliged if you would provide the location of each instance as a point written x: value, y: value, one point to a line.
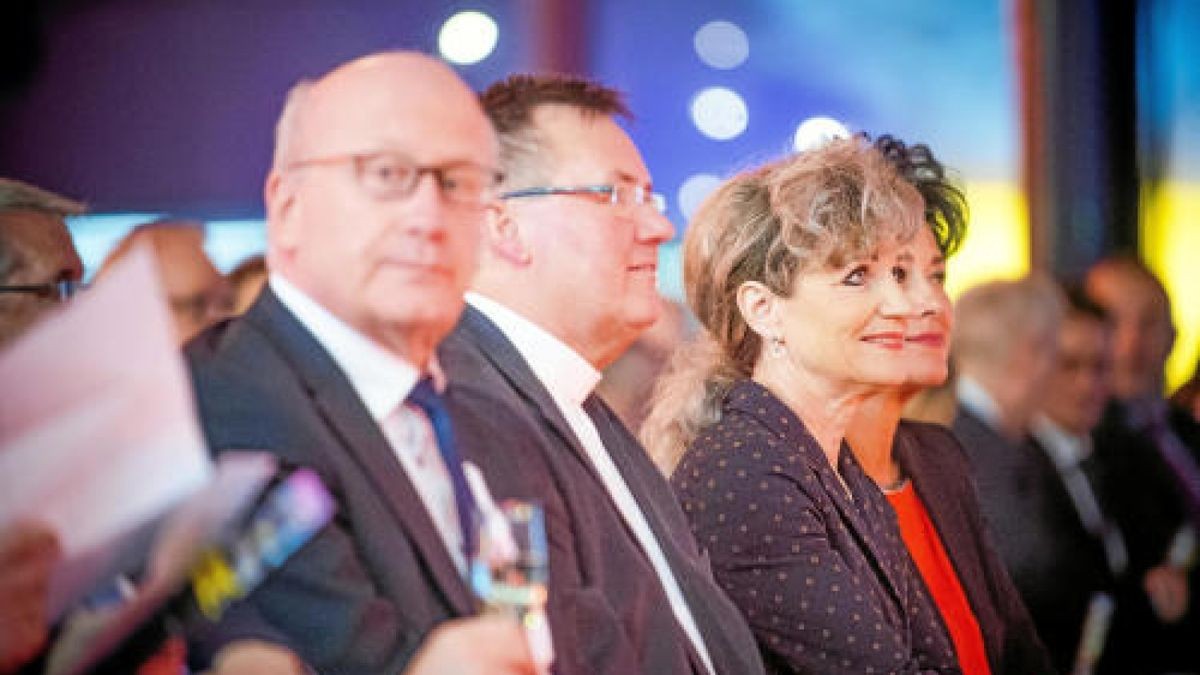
x: 900, y: 274
x: 939, y: 277
x: 856, y: 277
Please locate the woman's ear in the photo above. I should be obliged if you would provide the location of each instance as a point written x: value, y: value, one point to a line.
x: 504, y: 236
x: 759, y: 308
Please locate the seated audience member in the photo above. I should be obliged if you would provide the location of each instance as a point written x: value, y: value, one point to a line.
x: 921, y: 468
x: 628, y: 382
x: 1122, y: 497
x: 382, y: 172
x: 39, y: 267
x: 796, y: 271
x: 1005, y: 344
x: 197, y: 293
x: 1143, y: 336
x: 566, y: 283
x: 247, y: 281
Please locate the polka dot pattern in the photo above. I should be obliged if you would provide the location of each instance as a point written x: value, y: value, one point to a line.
x: 814, y: 563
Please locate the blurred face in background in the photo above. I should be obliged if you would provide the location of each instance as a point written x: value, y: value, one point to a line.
x: 1143, y: 331
x: 1078, y: 386
x: 39, y: 253
x: 198, y: 294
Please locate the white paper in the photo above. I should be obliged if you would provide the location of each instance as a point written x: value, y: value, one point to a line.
x: 98, y: 433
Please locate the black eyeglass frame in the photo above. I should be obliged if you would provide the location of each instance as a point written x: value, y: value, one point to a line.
x: 61, y: 290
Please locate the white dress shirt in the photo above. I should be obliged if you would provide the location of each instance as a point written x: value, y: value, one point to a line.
x: 1068, y: 451
x: 383, y: 381
x: 570, y: 379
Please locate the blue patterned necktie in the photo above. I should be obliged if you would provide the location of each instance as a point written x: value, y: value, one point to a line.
x: 425, y: 397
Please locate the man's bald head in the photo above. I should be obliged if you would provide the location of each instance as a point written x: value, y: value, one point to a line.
x: 324, y: 112
x: 390, y: 263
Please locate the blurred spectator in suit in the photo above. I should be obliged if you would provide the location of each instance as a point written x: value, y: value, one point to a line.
x: 1005, y: 346
x: 197, y: 293
x: 1156, y: 431
x: 39, y: 266
x: 247, y: 281
x: 1121, y: 498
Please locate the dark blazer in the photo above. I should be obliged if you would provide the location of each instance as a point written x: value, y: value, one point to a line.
x: 823, y: 579
x: 1055, y: 563
x: 607, y: 608
x: 362, y: 595
x: 932, y: 458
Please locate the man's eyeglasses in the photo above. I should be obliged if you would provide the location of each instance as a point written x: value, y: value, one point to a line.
x: 58, y: 291
x: 619, y: 195
x: 390, y: 175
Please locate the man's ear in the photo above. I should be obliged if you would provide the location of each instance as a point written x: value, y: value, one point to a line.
x: 759, y: 308
x: 504, y: 235
x: 279, y: 195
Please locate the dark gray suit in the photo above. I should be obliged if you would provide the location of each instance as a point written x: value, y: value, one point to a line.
x: 608, y: 610
x: 1053, y: 560
x: 363, y: 594
x: 933, y: 459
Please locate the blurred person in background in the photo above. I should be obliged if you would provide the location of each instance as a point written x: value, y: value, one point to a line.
x: 246, y: 282
x: 798, y: 270
x: 1005, y: 348
x: 39, y: 266
x: 197, y: 294
x: 1122, y: 499
x: 1163, y: 434
x: 39, y: 269
x: 628, y: 382
x: 922, y: 469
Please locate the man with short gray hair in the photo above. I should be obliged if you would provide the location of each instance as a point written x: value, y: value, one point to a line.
x: 39, y: 266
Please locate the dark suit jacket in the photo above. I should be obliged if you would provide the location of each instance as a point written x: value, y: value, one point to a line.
x: 361, y: 596
x: 1056, y: 564
x: 607, y: 608
x: 823, y: 579
x: 934, y: 461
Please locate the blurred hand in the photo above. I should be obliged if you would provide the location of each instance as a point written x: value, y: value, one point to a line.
x: 1167, y: 588
x: 491, y: 645
x: 252, y: 657
x: 28, y: 553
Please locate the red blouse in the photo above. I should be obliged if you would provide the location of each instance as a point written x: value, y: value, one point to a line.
x: 925, y: 547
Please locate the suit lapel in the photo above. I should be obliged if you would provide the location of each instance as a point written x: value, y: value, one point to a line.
x: 491, y: 342
x: 362, y: 438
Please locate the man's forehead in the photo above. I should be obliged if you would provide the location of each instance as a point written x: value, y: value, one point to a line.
x: 585, y: 141
x: 405, y: 105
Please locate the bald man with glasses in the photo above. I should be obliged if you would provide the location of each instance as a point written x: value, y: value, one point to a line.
x: 382, y: 172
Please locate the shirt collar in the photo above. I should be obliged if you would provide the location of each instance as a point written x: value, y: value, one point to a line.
x: 1065, y: 448
x: 568, y: 376
x: 380, y: 378
x: 972, y: 396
